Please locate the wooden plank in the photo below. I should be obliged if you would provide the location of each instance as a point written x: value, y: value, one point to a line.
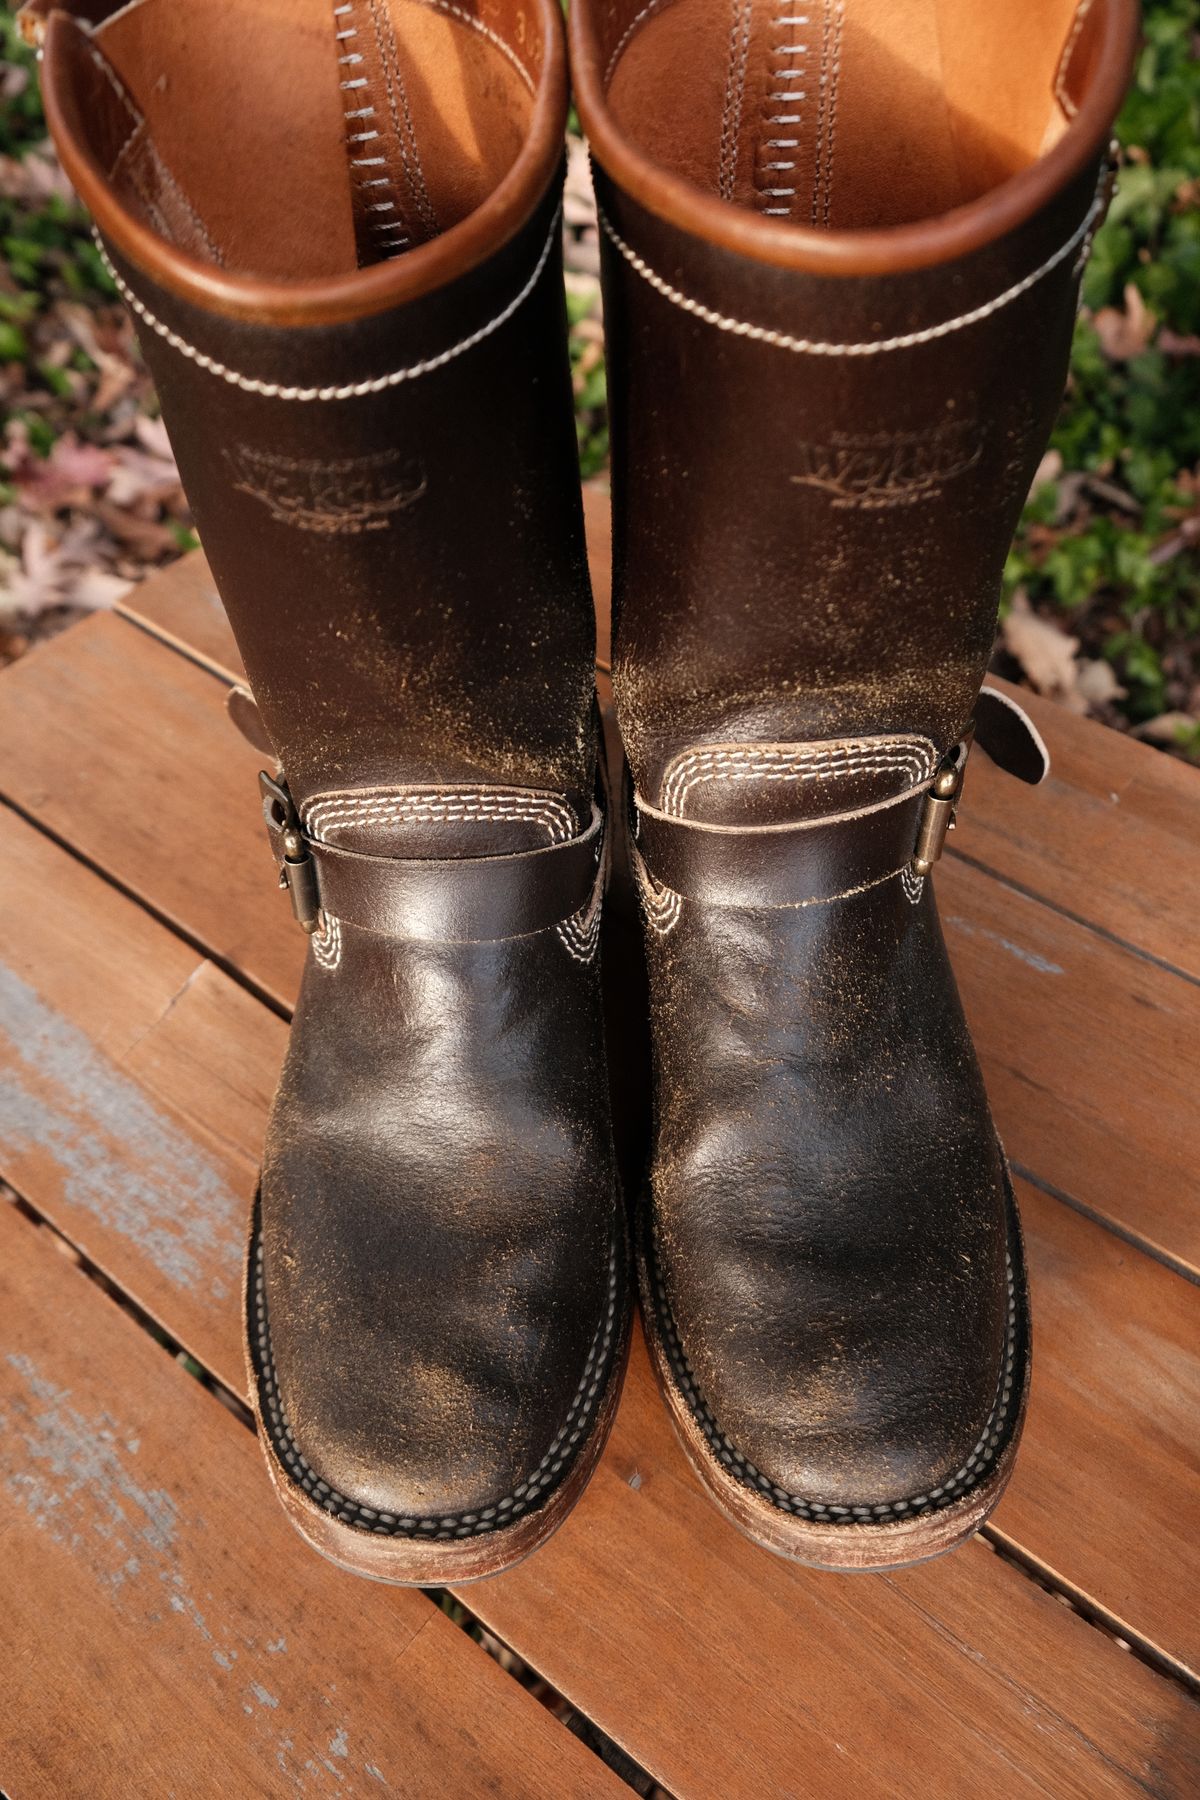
x: 1111, y: 837
x: 1089, y: 1054
x: 99, y: 730
x: 123, y: 749
x: 1106, y: 1443
x: 134, y: 1083
x: 162, y: 1631
x: 180, y: 605
x: 1107, y: 1482
x: 944, y: 1680
x: 597, y: 518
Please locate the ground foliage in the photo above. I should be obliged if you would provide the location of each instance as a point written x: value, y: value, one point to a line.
x: 1102, y: 589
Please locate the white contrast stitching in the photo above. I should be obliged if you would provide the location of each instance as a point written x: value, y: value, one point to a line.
x: 779, y: 53
x: 493, y: 37
x: 913, y: 757
x: 390, y: 245
x: 1064, y: 62
x: 661, y: 905
x: 327, y: 942
x: 639, y: 19
x: 400, y: 111
x: 735, y: 90
x: 345, y: 808
x: 780, y: 340
x: 355, y: 390
x: 913, y: 885
x: 361, y: 806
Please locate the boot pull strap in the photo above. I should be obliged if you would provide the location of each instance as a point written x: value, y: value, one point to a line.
x: 812, y: 861
x: 243, y: 712
x: 466, y: 899
x: 1005, y: 733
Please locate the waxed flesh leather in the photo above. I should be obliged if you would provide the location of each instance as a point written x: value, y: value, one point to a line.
x: 823, y: 433
x: 377, y: 442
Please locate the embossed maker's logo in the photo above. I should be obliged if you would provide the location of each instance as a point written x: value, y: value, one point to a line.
x: 890, y: 468
x: 356, y: 493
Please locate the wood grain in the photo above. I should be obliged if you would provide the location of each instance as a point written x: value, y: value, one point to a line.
x: 1111, y: 837
x: 123, y: 749
x: 1090, y: 1057
x: 134, y: 1083
x: 164, y: 1632
x: 710, y: 1614
x: 181, y: 606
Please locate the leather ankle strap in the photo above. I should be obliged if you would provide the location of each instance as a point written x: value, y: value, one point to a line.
x: 467, y: 899
x: 814, y: 860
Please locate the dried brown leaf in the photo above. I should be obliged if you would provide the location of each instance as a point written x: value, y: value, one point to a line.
x: 1127, y: 333
x: 1168, y: 728
x: 1045, y: 652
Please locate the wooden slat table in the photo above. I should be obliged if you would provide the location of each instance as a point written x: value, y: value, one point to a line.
x: 163, y: 1630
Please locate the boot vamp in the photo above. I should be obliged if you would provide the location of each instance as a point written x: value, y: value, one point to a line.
x: 439, y: 1222
x: 829, y: 1198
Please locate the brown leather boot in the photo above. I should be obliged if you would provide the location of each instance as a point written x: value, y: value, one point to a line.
x: 338, y: 228
x: 843, y: 241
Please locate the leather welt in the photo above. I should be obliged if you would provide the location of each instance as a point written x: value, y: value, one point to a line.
x: 355, y: 493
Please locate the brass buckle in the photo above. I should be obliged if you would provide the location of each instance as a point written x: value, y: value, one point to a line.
x: 941, y: 805
x: 297, y: 871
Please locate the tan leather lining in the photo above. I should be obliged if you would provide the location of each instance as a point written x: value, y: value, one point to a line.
x: 299, y: 139
x: 240, y: 191
x: 916, y: 130
x: 843, y: 113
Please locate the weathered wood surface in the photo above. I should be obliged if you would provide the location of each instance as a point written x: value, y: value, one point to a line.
x: 131, y: 1113
x: 161, y: 1634
x: 720, y: 1669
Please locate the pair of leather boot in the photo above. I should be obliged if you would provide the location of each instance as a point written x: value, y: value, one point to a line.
x: 842, y: 246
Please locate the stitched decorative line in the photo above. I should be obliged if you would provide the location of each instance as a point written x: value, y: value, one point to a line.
x: 775, y: 180
x: 781, y: 340
x: 493, y: 37
x: 350, y: 807
x: 735, y: 91
x: 770, y: 772
x: 635, y: 23
x: 456, y: 1525
x: 580, y: 934
x: 376, y: 169
x: 915, y: 759
x: 1064, y: 62
x: 327, y: 942
x: 913, y: 885
x: 661, y: 905
x: 831, y: 116
x: 353, y: 390
x: 400, y: 112
x: 935, y: 1499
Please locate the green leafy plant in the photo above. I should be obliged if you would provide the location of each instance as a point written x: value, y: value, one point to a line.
x: 1111, y: 537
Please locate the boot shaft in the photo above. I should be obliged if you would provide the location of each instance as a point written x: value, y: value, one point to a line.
x: 338, y: 230
x: 841, y: 271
